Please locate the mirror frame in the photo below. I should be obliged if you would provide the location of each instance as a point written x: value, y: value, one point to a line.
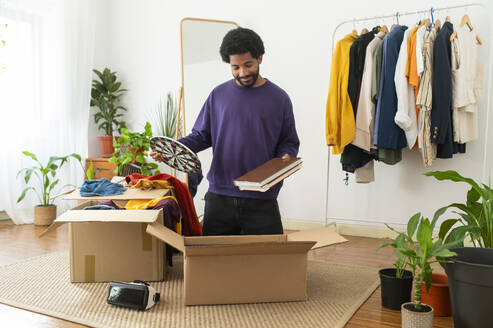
x: 181, y: 101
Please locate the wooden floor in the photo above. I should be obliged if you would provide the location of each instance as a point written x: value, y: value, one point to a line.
x: 19, y: 242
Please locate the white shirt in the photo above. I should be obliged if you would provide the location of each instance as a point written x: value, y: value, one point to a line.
x: 420, y: 42
x: 405, y: 117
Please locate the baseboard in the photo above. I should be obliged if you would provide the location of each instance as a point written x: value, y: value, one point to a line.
x: 4, y: 216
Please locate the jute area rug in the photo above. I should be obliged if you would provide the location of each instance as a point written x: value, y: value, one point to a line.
x: 42, y: 285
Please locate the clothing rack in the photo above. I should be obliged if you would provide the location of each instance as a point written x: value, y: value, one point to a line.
x: 396, y: 16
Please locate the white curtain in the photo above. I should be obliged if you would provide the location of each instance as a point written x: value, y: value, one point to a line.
x: 44, y: 92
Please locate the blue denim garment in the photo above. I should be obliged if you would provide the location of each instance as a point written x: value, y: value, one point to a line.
x: 387, y: 133
x: 100, y: 187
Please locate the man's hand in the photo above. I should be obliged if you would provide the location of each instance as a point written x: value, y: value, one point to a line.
x: 285, y: 157
x: 156, y: 156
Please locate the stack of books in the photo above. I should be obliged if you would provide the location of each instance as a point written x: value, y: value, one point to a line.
x: 268, y: 174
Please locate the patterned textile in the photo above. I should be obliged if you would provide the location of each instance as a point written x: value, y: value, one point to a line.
x: 423, y: 100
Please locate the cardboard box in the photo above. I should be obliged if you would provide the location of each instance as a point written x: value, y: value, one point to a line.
x: 108, y: 245
x: 245, y: 269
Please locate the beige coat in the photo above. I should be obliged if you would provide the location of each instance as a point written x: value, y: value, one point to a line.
x: 467, y: 78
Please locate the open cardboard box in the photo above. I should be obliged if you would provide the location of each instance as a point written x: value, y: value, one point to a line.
x: 108, y: 245
x: 245, y: 269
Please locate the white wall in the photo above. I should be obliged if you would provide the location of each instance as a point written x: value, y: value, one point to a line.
x: 143, y: 46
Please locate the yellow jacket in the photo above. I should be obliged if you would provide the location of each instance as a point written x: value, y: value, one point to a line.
x: 339, y: 116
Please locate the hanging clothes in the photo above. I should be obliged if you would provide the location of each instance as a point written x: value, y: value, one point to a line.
x: 339, y: 119
x: 467, y: 76
x: 363, y: 137
x: 387, y: 133
x: 441, y: 112
x: 376, y: 71
x: 428, y: 149
x: 421, y: 35
x: 405, y: 117
x: 357, y: 55
x: 412, y: 71
x: 387, y: 156
x: 352, y: 87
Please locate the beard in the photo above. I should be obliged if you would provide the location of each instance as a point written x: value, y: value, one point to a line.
x: 252, y: 80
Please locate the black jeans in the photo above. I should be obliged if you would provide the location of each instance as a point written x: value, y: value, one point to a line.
x: 226, y: 215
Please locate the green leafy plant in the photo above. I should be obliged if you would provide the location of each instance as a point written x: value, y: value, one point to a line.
x: 398, y: 243
x: 45, y: 175
x: 89, y: 173
x: 475, y: 216
x: 105, y: 95
x: 132, y: 147
x: 164, y: 119
x: 422, y: 250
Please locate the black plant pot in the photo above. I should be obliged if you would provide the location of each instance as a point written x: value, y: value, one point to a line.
x: 395, y: 291
x: 471, y: 287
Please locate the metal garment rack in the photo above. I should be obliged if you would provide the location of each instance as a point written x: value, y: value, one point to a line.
x: 396, y: 16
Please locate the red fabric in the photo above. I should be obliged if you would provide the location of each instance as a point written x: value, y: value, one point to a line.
x: 191, y: 225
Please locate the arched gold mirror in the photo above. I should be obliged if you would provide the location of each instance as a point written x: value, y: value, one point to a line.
x: 201, y: 71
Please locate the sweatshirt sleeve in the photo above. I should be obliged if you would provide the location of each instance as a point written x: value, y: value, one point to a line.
x: 200, y: 137
x: 288, y: 139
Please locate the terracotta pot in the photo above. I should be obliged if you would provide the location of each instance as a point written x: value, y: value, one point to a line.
x: 44, y: 215
x: 438, y: 296
x: 106, y: 146
x: 414, y: 319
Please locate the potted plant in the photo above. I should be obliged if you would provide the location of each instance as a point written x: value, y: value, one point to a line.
x: 45, y: 212
x: 105, y: 95
x: 470, y: 272
x: 165, y: 122
x: 131, y: 149
x: 422, y: 250
x: 165, y: 119
x: 396, y: 283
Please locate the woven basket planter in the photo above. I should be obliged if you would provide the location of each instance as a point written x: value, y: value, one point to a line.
x: 413, y: 319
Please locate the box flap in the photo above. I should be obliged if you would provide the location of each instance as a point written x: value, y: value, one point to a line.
x: 251, y: 249
x: 57, y: 224
x: 232, y: 240
x: 323, y: 236
x: 142, y: 216
x: 130, y: 193
x: 167, y: 235
x: 51, y: 227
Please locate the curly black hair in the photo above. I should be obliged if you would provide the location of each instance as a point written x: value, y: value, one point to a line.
x: 239, y: 41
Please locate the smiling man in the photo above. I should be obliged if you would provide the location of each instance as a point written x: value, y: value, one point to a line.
x: 247, y: 121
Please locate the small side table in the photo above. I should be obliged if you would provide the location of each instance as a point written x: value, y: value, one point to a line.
x: 105, y: 167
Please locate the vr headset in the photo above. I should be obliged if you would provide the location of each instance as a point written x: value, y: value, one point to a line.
x: 136, y: 295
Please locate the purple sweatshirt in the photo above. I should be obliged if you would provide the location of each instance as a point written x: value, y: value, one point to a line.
x: 246, y: 127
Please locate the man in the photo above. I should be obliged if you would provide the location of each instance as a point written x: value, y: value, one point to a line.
x: 247, y: 121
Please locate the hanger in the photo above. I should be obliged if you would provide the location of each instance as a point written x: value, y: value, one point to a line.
x: 453, y: 36
x: 364, y: 30
x: 384, y: 29
x: 438, y: 25
x: 426, y: 22
x: 354, y: 31
x: 447, y: 19
x: 467, y: 21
